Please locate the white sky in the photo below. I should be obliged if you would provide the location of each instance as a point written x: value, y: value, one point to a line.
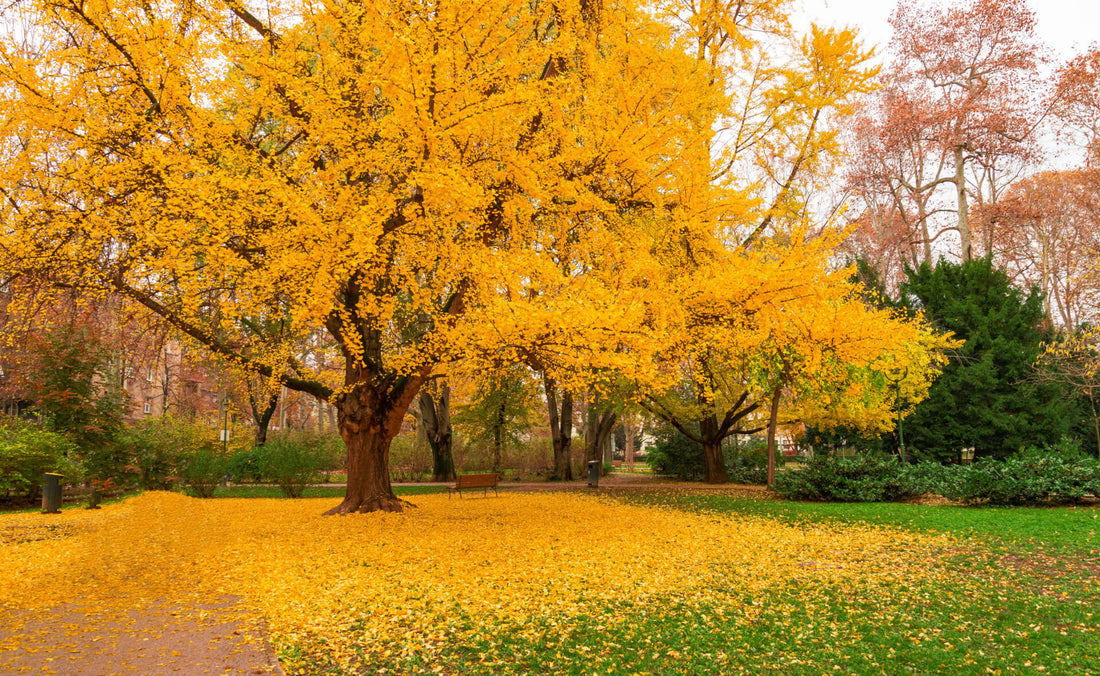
x: 1066, y: 26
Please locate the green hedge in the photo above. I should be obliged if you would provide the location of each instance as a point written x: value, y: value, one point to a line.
x: 290, y: 461
x: 1057, y: 474
x: 862, y: 478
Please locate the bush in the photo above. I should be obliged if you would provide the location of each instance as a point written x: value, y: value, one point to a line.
x: 927, y: 478
x: 862, y: 478
x: 295, y: 461
x: 246, y: 466
x: 676, y: 456
x: 153, y: 452
x: 747, y: 462
x: 410, y: 461
x: 27, y: 451
x: 202, y: 470
x: 1057, y: 474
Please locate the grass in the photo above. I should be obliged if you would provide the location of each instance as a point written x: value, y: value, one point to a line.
x: 1066, y: 530
x: 69, y: 506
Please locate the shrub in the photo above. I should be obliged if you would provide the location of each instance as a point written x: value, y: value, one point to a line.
x: 675, y: 455
x: 1053, y: 475
x: 202, y: 470
x: 246, y: 465
x: 747, y: 462
x: 927, y: 478
x: 862, y: 478
x: 295, y: 461
x: 27, y: 451
x: 411, y: 461
x: 155, y: 450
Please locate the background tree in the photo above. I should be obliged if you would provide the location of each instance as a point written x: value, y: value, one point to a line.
x: 985, y: 397
x: 1046, y: 233
x: 435, y: 417
x: 500, y: 410
x: 1072, y: 362
x: 973, y: 71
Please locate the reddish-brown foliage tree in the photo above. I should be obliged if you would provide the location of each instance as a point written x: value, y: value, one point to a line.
x: 971, y: 79
x: 1078, y: 103
x: 1046, y: 232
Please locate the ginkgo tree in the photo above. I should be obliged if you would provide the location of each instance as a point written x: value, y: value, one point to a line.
x: 395, y: 172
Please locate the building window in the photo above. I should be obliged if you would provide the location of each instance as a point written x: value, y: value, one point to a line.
x: 149, y: 375
x: 148, y: 408
x: 129, y: 372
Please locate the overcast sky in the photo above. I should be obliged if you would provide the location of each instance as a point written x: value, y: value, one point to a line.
x: 1067, y: 26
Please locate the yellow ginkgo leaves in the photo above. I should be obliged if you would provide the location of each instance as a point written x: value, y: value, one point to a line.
x: 393, y: 590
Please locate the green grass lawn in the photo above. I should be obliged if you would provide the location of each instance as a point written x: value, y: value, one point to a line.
x: 1023, y: 595
x: 1020, y: 594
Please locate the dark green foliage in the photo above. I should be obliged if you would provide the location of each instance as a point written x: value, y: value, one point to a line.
x: 984, y: 398
x: 677, y: 456
x: 836, y: 440
x: 246, y: 466
x: 27, y: 451
x: 861, y: 478
x: 1058, y: 474
x: 1055, y: 475
x: 747, y: 460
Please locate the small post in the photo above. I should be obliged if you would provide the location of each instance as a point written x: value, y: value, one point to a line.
x: 51, y: 493
x: 93, y: 498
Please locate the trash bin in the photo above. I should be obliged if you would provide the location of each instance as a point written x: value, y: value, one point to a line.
x: 51, y: 493
x: 594, y: 473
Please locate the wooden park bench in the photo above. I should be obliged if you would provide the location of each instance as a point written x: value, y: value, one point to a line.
x: 482, y: 481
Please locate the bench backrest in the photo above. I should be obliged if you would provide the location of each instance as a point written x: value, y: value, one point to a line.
x: 475, y: 480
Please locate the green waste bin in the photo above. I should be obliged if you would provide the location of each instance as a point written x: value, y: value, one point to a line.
x: 51, y: 493
x: 594, y: 473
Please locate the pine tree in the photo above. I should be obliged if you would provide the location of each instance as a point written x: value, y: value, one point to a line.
x: 984, y: 398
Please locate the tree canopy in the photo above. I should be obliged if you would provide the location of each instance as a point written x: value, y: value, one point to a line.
x: 427, y: 181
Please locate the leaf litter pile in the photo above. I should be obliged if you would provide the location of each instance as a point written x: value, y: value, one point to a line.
x: 456, y: 585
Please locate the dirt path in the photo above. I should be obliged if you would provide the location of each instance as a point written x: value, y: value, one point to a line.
x: 163, y: 638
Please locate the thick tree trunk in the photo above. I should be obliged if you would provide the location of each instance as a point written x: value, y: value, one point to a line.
x: 773, y: 421
x: 369, y: 418
x: 369, y: 487
x: 714, y: 463
x: 435, y: 414
x: 561, y: 430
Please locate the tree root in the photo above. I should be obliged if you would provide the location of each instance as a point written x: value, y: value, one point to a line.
x: 373, y: 503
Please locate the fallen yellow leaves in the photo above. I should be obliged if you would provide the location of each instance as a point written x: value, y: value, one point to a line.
x: 378, y: 587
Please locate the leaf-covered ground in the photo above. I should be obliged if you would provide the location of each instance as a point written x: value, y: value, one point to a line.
x: 559, y: 582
